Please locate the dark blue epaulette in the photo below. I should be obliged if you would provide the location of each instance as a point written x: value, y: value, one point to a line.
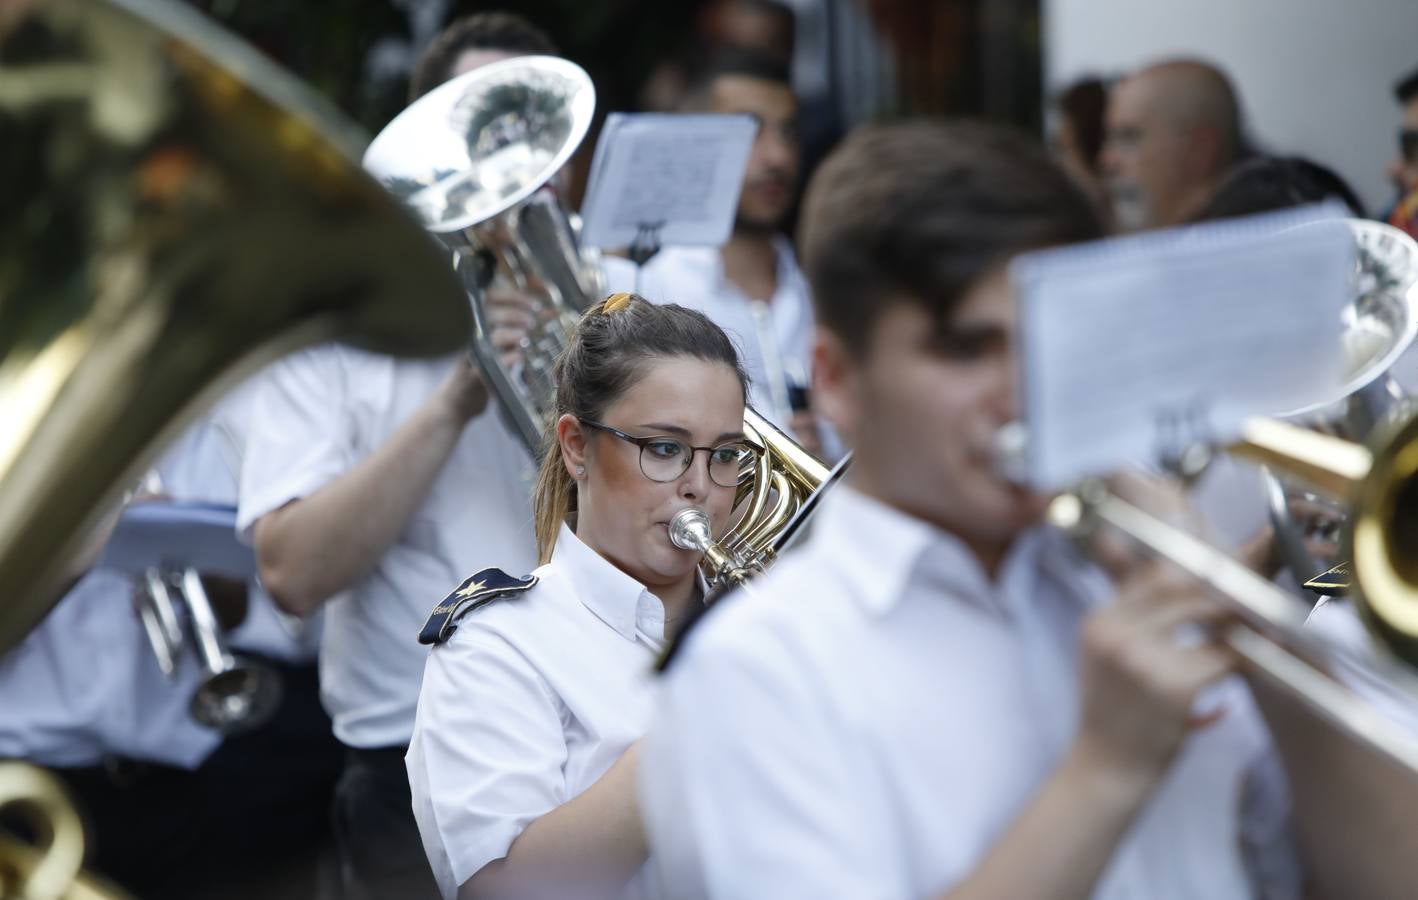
x: 479, y: 590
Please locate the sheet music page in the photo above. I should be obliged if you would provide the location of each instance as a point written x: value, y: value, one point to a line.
x: 678, y: 174
x: 179, y: 533
x: 1135, y: 347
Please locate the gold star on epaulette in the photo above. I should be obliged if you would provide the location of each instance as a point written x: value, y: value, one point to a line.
x: 471, y: 589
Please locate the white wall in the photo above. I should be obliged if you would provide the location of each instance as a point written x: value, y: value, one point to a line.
x: 1315, y: 76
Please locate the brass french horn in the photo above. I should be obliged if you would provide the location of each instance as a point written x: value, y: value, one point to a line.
x: 772, y: 506
x: 177, y: 212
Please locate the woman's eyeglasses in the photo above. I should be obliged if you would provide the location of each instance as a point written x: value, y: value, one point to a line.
x: 664, y: 459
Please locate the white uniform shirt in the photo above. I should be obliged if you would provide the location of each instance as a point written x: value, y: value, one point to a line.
x: 529, y: 702
x: 771, y: 337
x: 317, y: 415
x: 84, y: 685
x: 871, y: 721
x: 1337, y: 623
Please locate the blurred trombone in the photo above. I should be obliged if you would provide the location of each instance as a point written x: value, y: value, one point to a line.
x: 1336, y: 682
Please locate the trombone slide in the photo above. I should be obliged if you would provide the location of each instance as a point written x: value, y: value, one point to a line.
x: 1266, y: 610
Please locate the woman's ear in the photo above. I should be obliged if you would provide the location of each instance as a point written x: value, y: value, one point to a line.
x: 834, y: 382
x: 571, y: 437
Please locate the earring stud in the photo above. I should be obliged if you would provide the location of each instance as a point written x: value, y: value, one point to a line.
x: 580, y: 471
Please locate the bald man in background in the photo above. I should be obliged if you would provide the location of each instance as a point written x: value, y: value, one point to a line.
x: 1173, y: 130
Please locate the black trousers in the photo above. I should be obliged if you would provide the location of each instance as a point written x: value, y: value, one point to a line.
x: 251, y: 822
x: 381, y: 855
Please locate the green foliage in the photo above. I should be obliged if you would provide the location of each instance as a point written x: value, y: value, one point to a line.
x: 327, y: 43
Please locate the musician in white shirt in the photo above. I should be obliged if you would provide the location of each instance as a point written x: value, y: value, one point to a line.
x: 522, y: 759
x: 371, y: 485
x: 751, y: 286
x: 935, y: 696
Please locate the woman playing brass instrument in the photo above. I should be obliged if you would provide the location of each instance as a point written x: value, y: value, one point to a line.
x: 523, y: 756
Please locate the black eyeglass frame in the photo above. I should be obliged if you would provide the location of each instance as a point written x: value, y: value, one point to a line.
x: 745, y: 470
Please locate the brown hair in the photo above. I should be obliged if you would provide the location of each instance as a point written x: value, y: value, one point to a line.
x: 919, y: 211
x: 1084, y: 104
x: 606, y: 356
x: 503, y: 31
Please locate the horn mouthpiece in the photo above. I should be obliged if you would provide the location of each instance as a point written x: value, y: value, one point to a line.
x: 689, y: 530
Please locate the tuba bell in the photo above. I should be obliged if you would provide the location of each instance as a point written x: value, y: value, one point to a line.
x: 1378, y: 327
x: 179, y: 212
x: 477, y: 159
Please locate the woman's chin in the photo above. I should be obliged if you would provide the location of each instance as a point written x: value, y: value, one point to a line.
x: 662, y: 564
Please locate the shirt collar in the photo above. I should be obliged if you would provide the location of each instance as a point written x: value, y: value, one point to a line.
x: 611, y: 595
x: 606, y: 591
x: 881, y: 550
x: 876, y: 546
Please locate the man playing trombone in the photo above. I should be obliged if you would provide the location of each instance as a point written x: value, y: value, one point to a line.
x: 937, y: 696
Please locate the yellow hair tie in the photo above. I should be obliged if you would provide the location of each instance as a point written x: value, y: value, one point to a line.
x: 616, y: 302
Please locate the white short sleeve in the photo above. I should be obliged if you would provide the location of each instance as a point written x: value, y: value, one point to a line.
x: 300, y: 435
x: 487, y: 753
x: 747, y: 789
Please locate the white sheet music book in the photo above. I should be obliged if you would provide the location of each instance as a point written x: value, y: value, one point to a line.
x: 180, y: 534
x: 679, y: 175
x: 1132, y: 348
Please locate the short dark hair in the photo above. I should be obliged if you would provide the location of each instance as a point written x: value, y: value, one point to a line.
x: 480, y: 31
x: 1265, y: 183
x: 919, y: 211
x: 723, y: 62
x: 1407, y: 87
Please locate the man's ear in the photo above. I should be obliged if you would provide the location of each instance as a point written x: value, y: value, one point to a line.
x: 571, y: 436
x: 836, y: 377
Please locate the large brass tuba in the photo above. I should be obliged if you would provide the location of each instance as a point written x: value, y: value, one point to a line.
x: 177, y: 211
x: 477, y: 159
x: 474, y: 158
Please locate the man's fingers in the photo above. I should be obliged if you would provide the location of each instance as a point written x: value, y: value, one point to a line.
x: 502, y: 296
x: 1192, y: 608
x: 507, y: 340
x: 1200, y: 721
x: 1194, y: 668
x: 509, y: 317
